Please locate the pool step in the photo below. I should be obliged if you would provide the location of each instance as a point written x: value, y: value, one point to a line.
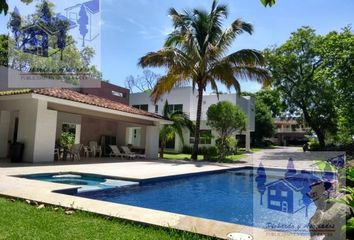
x: 108, y: 184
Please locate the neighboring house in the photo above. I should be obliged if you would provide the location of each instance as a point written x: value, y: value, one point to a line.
x: 185, y: 100
x: 37, y: 117
x: 289, y: 131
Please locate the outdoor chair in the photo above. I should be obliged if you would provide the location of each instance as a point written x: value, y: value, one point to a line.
x: 74, y: 152
x: 127, y: 151
x: 87, y: 151
x: 117, y: 153
x: 95, y: 148
x: 57, y: 153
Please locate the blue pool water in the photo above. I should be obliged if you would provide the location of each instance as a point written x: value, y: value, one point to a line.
x: 266, y: 198
x: 233, y: 196
x: 84, y: 182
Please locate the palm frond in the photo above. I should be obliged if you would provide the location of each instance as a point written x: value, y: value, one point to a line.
x: 224, y: 73
x: 165, y: 84
x: 258, y: 74
x: 228, y: 36
x: 250, y: 57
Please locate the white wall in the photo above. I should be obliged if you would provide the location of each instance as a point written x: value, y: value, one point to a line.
x: 152, y: 142
x: 189, y: 100
x: 44, y: 139
x: 4, y: 132
x: 37, y: 128
x: 176, y: 96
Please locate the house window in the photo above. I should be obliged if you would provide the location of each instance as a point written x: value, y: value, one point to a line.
x: 73, y: 16
x: 175, y: 107
x: 156, y: 108
x: 204, y: 137
x: 117, y: 94
x: 144, y: 107
x: 272, y: 192
x: 284, y: 194
x: 275, y: 203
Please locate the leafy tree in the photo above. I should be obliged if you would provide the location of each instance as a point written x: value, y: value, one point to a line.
x: 83, y: 21
x: 226, y: 119
x: 267, y: 106
x: 272, y: 99
x: 4, y: 50
x: 297, y: 67
x: 168, y: 132
x: 269, y: 3
x: 196, y: 52
x: 337, y: 51
x: 264, y: 123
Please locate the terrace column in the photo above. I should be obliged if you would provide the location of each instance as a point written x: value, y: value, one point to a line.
x: 152, y: 142
x: 248, y: 141
x: 37, y: 130
x: 45, y: 133
x: 4, y: 132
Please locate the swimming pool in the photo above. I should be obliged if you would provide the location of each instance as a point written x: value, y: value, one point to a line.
x: 266, y: 198
x: 246, y: 196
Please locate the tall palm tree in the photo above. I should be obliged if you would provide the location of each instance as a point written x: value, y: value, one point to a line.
x: 196, y: 52
x: 168, y: 132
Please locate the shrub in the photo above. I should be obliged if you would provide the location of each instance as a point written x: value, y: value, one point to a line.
x: 187, y: 150
x: 66, y: 140
x: 212, y: 151
x: 314, y: 145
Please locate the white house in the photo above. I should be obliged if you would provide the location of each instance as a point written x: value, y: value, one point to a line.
x: 186, y: 100
x: 37, y: 117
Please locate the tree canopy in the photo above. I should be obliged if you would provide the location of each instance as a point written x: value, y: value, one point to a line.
x: 264, y: 123
x: 226, y: 119
x: 314, y: 75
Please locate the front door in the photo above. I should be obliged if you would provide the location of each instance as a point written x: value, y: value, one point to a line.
x: 284, y: 206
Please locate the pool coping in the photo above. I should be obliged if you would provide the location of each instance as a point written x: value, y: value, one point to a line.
x: 144, y: 215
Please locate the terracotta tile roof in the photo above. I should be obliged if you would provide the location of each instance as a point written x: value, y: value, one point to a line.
x: 74, y: 96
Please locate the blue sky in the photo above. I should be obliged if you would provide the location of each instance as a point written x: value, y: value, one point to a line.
x: 131, y: 28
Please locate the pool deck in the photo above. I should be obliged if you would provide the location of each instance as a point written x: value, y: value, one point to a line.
x: 39, y: 191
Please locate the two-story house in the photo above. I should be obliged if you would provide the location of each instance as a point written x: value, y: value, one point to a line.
x: 289, y: 131
x: 185, y: 99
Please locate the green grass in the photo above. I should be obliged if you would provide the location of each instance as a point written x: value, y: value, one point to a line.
x: 179, y: 156
x: 19, y: 220
x: 182, y: 156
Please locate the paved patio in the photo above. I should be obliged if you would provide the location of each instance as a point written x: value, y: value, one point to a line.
x: 43, y: 191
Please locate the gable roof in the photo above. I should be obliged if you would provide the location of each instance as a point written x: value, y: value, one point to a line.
x: 297, y: 181
x: 75, y: 96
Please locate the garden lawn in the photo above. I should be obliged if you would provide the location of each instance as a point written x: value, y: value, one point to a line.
x: 182, y: 156
x: 19, y: 220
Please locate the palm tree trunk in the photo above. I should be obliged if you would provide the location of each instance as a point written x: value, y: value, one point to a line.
x: 162, y: 149
x: 197, y: 124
